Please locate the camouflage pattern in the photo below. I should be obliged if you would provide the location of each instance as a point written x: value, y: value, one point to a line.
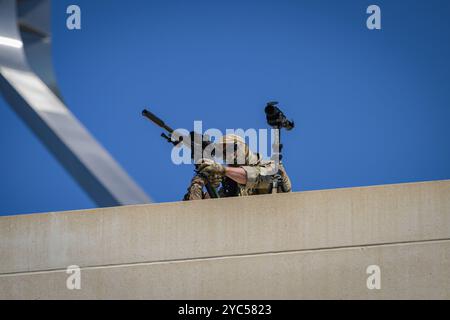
x: 198, y: 182
x: 195, y: 189
x: 259, y: 180
x: 260, y: 173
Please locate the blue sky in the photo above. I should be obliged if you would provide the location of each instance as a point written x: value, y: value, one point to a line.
x: 371, y: 107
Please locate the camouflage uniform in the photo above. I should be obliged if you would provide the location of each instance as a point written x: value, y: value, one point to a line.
x: 260, y: 178
x: 259, y: 181
x: 260, y: 173
x: 195, y: 190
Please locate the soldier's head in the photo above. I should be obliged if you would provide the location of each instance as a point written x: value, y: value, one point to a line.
x: 234, y: 151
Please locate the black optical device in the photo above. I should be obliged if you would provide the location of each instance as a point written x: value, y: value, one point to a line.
x: 276, y: 118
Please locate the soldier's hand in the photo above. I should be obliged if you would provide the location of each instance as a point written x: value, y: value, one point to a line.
x: 215, y: 180
x: 204, y: 161
x: 212, y: 169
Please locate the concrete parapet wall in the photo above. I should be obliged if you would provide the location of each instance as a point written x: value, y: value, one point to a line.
x: 314, y: 244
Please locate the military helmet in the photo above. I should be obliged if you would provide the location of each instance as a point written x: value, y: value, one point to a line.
x: 239, y: 154
x: 230, y: 139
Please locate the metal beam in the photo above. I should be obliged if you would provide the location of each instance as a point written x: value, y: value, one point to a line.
x: 28, y: 84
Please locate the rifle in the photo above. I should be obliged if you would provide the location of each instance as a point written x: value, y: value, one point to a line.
x: 193, y: 145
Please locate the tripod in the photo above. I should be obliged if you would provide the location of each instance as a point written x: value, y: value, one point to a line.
x: 277, y: 120
x: 277, y: 185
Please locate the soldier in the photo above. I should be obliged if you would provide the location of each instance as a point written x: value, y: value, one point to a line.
x: 245, y: 172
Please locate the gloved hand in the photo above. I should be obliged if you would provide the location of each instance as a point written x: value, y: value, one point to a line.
x: 204, y: 161
x: 215, y: 180
x: 211, y: 169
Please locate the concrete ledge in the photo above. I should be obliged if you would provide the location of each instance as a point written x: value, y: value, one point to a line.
x: 302, y: 245
x: 274, y: 223
x: 408, y: 271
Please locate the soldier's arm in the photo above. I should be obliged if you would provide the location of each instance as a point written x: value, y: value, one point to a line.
x: 287, y: 186
x: 259, y: 176
x: 249, y: 176
x: 195, y: 190
x: 237, y: 174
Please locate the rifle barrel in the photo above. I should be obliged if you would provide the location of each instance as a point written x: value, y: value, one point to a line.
x: 153, y: 118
